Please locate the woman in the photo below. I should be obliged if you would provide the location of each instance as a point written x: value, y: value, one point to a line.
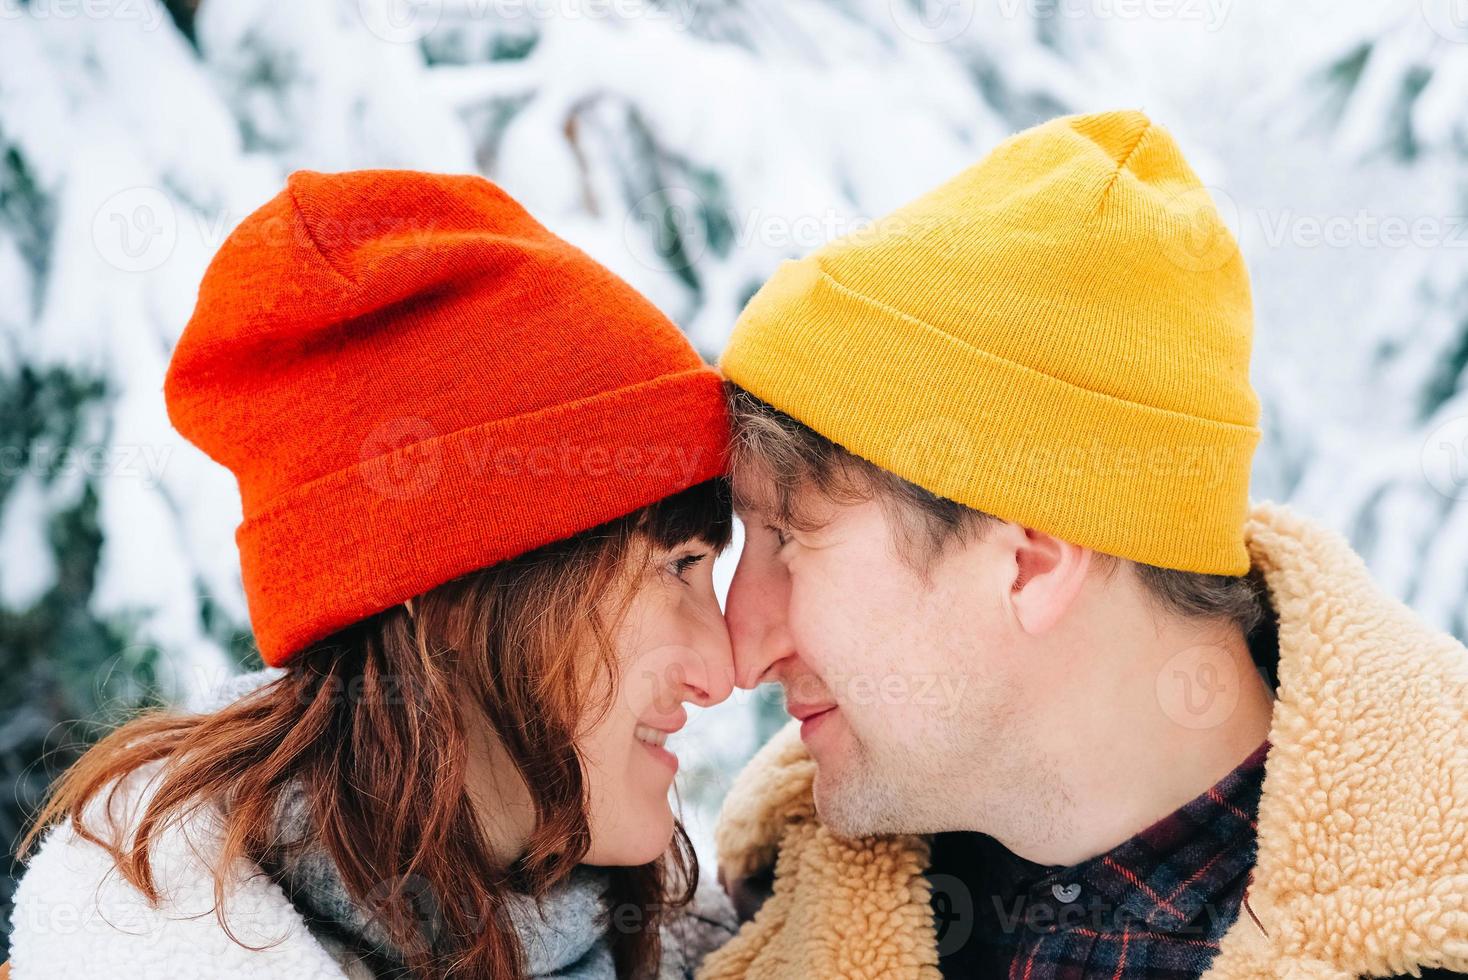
x: 482, y: 495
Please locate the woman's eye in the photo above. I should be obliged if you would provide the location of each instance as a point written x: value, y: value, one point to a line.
x: 681, y: 565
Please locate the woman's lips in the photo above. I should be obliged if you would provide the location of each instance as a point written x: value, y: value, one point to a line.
x: 654, y: 741
x: 651, y: 735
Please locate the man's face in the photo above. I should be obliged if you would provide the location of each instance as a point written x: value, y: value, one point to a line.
x: 906, y: 684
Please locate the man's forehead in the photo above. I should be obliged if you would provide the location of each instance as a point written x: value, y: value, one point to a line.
x: 761, y: 497
x: 754, y: 491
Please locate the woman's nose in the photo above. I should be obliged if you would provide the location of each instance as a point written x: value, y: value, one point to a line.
x: 711, y: 679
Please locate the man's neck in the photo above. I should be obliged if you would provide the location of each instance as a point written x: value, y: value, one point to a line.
x: 1136, y: 747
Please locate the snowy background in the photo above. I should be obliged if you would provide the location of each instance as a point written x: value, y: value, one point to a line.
x: 691, y: 145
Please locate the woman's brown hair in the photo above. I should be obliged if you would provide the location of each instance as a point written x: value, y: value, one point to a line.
x: 367, y: 729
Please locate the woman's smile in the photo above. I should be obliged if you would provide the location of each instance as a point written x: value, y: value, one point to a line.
x: 655, y: 742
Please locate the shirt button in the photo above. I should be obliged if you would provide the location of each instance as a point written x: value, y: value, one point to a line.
x: 1065, y: 893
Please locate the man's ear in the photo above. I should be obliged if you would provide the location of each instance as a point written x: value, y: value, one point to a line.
x: 1048, y: 575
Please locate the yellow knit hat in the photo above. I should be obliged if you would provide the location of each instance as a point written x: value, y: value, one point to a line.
x: 1058, y: 336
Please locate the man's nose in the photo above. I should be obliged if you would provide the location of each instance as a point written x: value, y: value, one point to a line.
x: 755, y: 610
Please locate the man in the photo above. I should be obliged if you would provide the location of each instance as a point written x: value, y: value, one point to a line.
x: 1067, y: 704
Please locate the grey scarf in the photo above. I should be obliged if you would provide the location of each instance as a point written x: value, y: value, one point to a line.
x: 563, y: 936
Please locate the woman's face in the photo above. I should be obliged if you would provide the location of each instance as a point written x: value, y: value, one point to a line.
x: 672, y: 650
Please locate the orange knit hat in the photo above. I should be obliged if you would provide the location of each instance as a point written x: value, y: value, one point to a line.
x: 411, y: 378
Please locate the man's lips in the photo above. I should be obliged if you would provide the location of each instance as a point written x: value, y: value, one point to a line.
x: 805, y: 712
x: 812, y: 717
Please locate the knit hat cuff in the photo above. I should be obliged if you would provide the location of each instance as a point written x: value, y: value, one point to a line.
x: 1127, y: 479
x: 442, y: 505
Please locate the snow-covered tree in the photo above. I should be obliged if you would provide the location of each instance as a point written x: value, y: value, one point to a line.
x: 690, y: 144
x: 1387, y: 96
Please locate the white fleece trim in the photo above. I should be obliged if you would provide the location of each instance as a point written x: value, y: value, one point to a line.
x: 76, y: 918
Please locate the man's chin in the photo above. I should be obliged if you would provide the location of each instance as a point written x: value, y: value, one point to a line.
x: 852, y: 805
x: 831, y: 807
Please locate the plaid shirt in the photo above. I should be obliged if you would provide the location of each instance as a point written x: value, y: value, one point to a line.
x: 1154, y: 906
